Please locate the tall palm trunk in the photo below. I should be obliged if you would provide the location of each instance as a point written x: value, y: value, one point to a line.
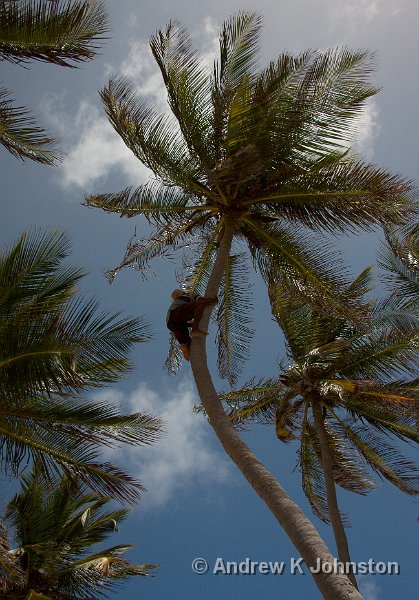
x: 300, y: 530
x: 332, y: 503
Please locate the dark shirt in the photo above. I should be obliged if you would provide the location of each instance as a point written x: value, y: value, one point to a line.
x: 183, y: 299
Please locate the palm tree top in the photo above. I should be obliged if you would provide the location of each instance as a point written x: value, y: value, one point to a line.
x: 57, y: 526
x: 360, y: 374
x: 264, y: 151
x: 254, y: 144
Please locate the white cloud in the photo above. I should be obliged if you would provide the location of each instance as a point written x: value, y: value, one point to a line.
x: 353, y: 14
x: 93, y: 149
x: 368, y: 588
x: 206, y: 41
x: 367, y: 130
x: 142, y: 70
x: 183, y: 457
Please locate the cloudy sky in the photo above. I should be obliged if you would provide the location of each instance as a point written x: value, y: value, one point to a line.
x: 197, y: 505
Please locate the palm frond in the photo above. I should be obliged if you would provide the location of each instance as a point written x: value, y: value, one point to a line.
x: 382, y: 457
x: 392, y: 313
x: 158, y: 203
x: 50, y: 342
x: 162, y: 244
x: 154, y: 138
x: 198, y: 275
x: 391, y: 409
x: 188, y: 86
x: 255, y: 402
x: 331, y: 94
x: 53, y: 346
x: 343, y: 194
x: 312, y: 472
x: 20, y: 134
x: 233, y: 317
x: 57, y: 454
x: 55, y: 524
x: 382, y: 355
x: 63, y: 34
x: 173, y: 361
x: 287, y: 256
x: 400, y: 260
x: 348, y: 470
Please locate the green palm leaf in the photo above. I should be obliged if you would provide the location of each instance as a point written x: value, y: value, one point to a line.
x: 339, y: 193
x: 52, y: 347
x: 56, y: 523
x: 188, y: 88
x: 62, y: 34
x: 20, y: 134
x: 233, y: 317
x: 152, y: 137
x: 400, y: 261
x: 383, y: 457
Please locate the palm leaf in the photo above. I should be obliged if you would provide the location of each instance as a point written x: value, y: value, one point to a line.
x: 239, y: 49
x: 383, y: 457
x: 154, y: 138
x: 233, y: 317
x: 56, y: 523
x: 53, y: 346
x: 255, y: 402
x: 282, y: 256
x: 62, y: 34
x: 312, y: 472
x: 188, y: 87
x: 158, y: 203
x: 20, y: 134
x: 341, y: 195
x: 381, y: 355
x: 400, y: 261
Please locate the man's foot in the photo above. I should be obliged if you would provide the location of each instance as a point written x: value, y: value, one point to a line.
x: 198, y: 332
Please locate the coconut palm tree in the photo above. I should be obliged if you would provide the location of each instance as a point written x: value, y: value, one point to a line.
x: 346, y: 391
x: 54, y: 526
x: 259, y: 157
x: 53, y: 346
x: 63, y: 33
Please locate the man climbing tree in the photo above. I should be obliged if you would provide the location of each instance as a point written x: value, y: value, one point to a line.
x: 186, y: 307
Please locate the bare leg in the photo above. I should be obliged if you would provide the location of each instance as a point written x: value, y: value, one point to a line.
x: 185, y: 351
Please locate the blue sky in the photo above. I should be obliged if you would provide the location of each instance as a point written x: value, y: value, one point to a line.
x: 197, y: 504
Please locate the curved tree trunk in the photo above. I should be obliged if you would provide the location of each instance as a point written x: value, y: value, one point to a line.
x: 300, y: 530
x: 332, y: 502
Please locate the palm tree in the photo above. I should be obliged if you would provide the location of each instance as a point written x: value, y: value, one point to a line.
x: 53, y: 346
x: 63, y: 33
x: 55, y: 526
x: 254, y: 156
x: 340, y: 399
